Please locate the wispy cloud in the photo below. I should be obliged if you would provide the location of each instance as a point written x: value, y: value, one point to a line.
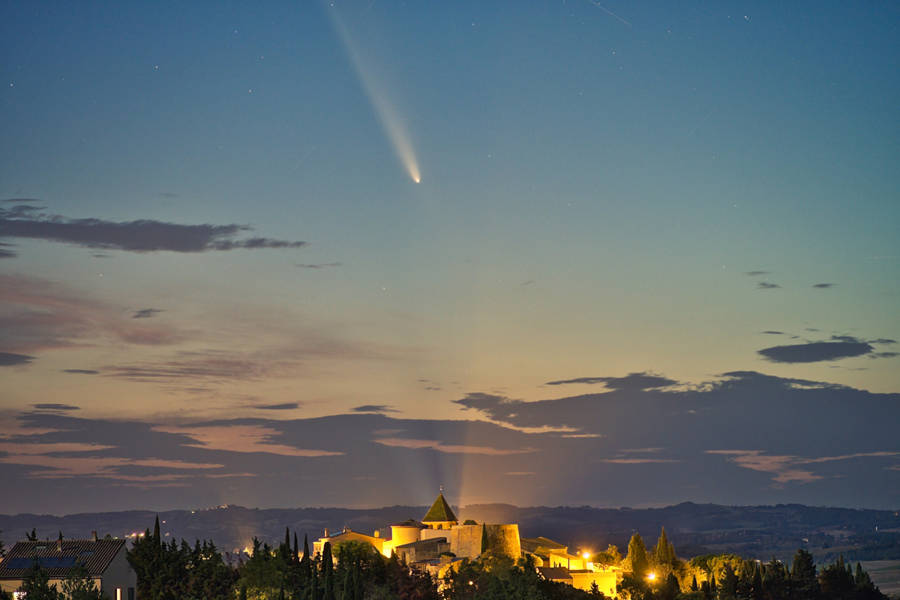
x: 414, y: 444
x: 241, y: 438
x: 765, y: 285
x: 55, y: 406
x: 756, y: 273
x: 632, y: 381
x: 81, y: 371
x: 41, y: 315
x: 143, y: 235
x: 281, y: 406
x: 374, y: 408
x: 637, y: 461
x: 789, y: 468
x: 146, y: 313
x: 317, y: 265
x: 823, y: 286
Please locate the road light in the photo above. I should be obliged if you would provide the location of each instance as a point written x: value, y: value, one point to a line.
x: 651, y: 576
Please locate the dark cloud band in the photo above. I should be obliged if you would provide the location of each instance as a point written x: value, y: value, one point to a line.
x: 143, y: 235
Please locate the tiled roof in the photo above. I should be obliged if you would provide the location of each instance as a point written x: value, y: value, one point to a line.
x: 94, y: 555
x: 555, y: 573
x: 542, y: 542
x: 439, y: 512
x: 423, y: 543
x: 408, y: 523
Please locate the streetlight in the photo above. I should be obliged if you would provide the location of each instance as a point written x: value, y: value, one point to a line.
x: 651, y: 576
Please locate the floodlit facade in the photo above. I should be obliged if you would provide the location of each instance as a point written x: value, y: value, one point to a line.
x: 439, y: 543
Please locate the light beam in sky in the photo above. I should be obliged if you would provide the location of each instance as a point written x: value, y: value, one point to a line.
x: 391, y: 122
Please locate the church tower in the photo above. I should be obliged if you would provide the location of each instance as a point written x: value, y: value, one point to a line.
x: 440, y: 515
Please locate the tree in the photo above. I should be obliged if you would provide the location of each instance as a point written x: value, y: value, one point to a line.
x: 31, y: 537
x: 36, y: 584
x: 775, y: 580
x: 670, y: 589
x: 637, y: 556
x: 664, y: 553
x: 836, y: 581
x: 79, y: 585
x: 611, y: 556
x: 327, y: 573
x: 728, y: 585
x: 803, y: 581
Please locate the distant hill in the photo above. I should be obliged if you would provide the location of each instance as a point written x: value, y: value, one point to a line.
x: 751, y: 531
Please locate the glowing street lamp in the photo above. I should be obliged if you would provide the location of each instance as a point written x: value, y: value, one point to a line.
x: 651, y: 576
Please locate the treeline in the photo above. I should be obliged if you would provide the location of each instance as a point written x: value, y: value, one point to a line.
x: 356, y: 571
x: 658, y: 574
x: 172, y: 571
x: 351, y: 571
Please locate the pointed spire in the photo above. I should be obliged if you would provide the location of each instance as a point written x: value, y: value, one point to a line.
x: 440, y: 512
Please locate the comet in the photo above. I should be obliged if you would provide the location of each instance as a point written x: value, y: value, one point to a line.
x: 393, y: 125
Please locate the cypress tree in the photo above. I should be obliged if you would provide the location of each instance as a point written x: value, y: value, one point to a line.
x: 757, y: 584
x: 156, y: 535
x: 296, y: 557
x: 663, y: 553
x: 314, y: 586
x: 327, y: 572
x: 484, y: 539
x: 728, y: 587
x: 637, y: 556
x: 803, y: 576
x: 694, y: 587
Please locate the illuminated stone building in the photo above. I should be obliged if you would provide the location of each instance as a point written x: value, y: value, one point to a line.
x: 438, y: 543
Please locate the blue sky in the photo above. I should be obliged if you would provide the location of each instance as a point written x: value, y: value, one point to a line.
x: 606, y: 189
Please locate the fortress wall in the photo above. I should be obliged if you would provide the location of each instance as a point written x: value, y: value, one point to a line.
x: 430, y: 534
x: 466, y: 541
x: 504, y: 539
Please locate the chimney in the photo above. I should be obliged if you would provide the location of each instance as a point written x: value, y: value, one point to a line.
x: 326, y: 532
x: 93, y: 536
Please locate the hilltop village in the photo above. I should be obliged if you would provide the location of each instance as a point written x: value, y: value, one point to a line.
x: 437, y: 558
x: 439, y: 543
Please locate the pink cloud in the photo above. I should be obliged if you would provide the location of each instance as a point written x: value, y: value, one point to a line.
x: 241, y: 438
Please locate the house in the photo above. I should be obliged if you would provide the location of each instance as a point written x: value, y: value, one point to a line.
x: 555, y: 563
x: 347, y: 535
x: 103, y: 559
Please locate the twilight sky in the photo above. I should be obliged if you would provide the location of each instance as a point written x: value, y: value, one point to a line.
x: 312, y: 253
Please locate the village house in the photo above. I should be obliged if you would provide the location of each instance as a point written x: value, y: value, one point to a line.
x: 103, y: 559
